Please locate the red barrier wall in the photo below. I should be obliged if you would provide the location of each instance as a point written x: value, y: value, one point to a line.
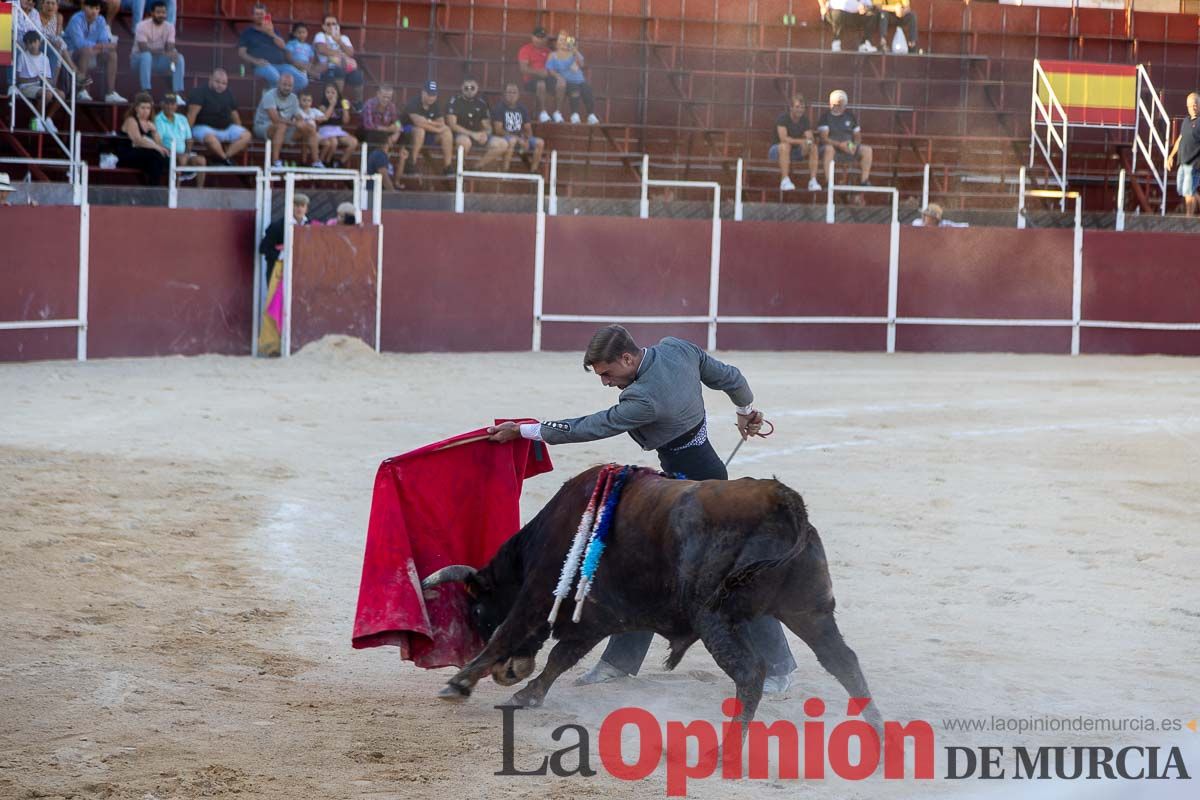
x: 985, y: 273
x: 170, y: 282
x: 180, y: 282
x: 333, y: 282
x: 457, y: 282
x: 39, y: 279
x: 1147, y: 277
x: 803, y: 269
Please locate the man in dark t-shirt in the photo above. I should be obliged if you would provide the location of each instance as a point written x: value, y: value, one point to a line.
x: 794, y: 140
x: 423, y: 124
x: 213, y: 115
x: 841, y: 137
x: 511, y: 120
x: 471, y: 122
x: 1187, y: 148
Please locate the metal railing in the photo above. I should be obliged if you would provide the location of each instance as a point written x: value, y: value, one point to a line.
x: 19, y: 29
x: 1043, y: 115
x: 1155, y: 146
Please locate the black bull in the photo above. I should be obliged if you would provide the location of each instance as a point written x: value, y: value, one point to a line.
x: 690, y: 560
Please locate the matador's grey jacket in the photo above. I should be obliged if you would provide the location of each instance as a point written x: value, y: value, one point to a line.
x: 664, y: 401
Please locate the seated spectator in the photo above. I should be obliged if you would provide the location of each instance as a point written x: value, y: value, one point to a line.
x: 90, y: 42
x: 50, y: 22
x: 841, y: 137
x: 379, y: 162
x: 335, y: 57
x: 303, y: 56
x: 261, y: 46
x: 140, y: 146
x: 795, y: 141
x: 154, y: 50
x: 899, y: 14
x: 34, y: 78
x: 931, y: 217
x: 277, y: 119
x: 213, y: 115
x: 841, y: 14
x: 176, y: 134
x: 380, y: 119
x: 312, y: 115
x: 335, y: 113
x: 346, y: 214
x: 512, y: 121
x: 531, y: 58
x: 469, y: 119
x: 136, y: 9
x: 566, y: 62
x: 424, y: 125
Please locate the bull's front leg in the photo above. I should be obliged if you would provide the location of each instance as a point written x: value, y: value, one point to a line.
x: 564, y: 655
x: 507, y: 638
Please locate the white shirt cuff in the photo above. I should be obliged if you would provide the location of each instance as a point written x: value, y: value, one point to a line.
x: 531, y: 430
x: 746, y: 411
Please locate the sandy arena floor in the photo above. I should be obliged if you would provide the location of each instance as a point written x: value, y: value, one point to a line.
x: 181, y: 540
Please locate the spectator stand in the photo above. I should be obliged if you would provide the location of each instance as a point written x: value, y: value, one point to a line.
x: 1116, y: 101
x: 65, y: 139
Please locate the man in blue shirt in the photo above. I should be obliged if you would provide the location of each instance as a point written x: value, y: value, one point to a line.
x: 90, y: 41
x: 260, y: 46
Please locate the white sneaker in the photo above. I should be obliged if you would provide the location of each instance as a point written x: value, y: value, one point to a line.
x: 84, y: 96
x: 558, y: 117
x: 575, y: 118
x: 179, y: 101
x: 786, y: 185
x: 867, y: 47
x: 318, y: 165
x: 114, y: 98
x: 814, y: 185
x: 277, y: 164
x: 836, y: 46
x: 543, y: 117
x: 593, y: 119
x: 50, y: 126
x: 187, y: 176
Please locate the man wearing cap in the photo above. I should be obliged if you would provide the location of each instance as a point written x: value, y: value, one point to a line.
x: 841, y: 137
x: 6, y: 189
x: 931, y: 217
x: 662, y: 408
x: 423, y: 120
x: 471, y: 122
x: 532, y: 60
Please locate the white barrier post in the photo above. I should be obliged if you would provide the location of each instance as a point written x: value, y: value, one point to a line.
x: 260, y: 197
x: 829, y: 211
x: 925, y: 190
x: 85, y: 242
x: 1021, y: 202
x: 714, y: 269
x: 172, y: 182
x: 644, y: 207
x: 1121, y: 201
x: 459, y: 203
x: 1077, y: 276
x: 377, y: 220
x: 554, y: 183
x: 289, y: 195
x: 894, y: 268
x: 539, y: 264
x: 737, y: 194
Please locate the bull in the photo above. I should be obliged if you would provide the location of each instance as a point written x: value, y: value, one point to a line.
x: 689, y: 560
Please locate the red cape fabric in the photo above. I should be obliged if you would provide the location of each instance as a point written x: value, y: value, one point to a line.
x: 434, y: 507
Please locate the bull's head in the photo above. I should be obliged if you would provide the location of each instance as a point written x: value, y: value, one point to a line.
x: 489, y: 606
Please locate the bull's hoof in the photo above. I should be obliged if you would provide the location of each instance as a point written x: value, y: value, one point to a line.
x: 527, y: 699
x: 454, y: 693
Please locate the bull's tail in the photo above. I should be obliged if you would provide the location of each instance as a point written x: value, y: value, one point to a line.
x: 791, y: 507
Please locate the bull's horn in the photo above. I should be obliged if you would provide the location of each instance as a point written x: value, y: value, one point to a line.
x: 456, y: 572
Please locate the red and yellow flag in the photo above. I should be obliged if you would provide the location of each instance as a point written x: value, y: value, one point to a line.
x: 6, y: 34
x: 1093, y: 94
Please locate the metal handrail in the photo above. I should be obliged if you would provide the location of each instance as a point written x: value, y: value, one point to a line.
x: 68, y: 104
x: 1154, y: 143
x: 1052, y: 134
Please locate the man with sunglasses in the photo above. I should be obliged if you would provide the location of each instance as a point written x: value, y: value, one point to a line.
x: 471, y: 122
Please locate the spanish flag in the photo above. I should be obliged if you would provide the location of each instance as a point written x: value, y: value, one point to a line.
x: 1093, y: 94
x: 6, y: 34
